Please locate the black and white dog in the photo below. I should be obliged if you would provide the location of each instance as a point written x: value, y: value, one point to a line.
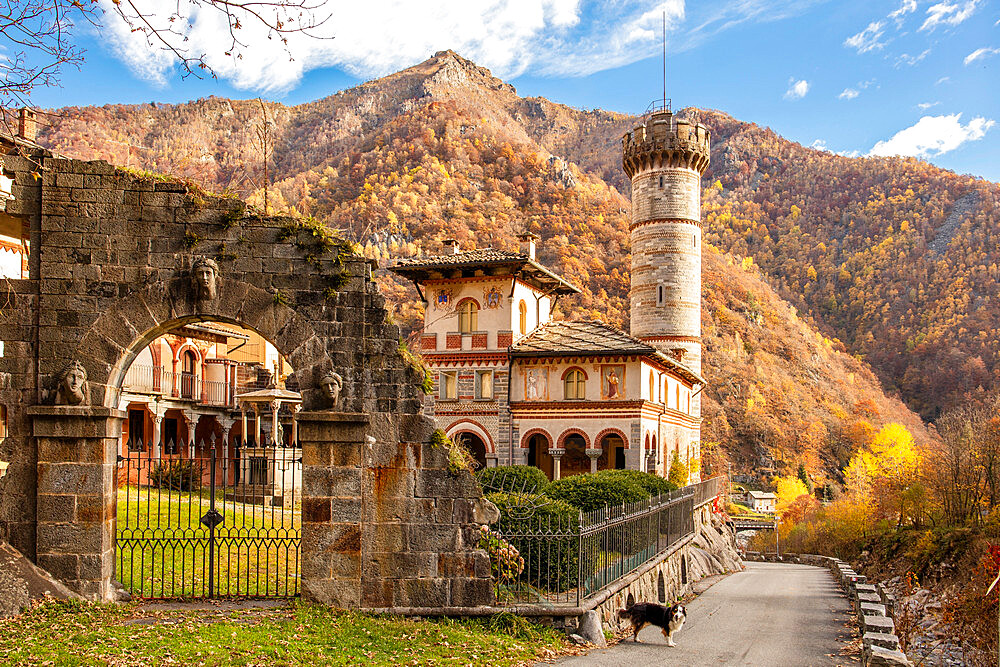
x: 668, y: 619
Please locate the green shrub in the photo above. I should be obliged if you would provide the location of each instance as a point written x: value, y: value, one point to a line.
x: 550, y: 562
x: 512, y: 479
x: 176, y: 475
x: 654, y: 485
x: 592, y: 491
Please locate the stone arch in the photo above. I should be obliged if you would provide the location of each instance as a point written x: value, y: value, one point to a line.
x: 133, y: 322
x: 612, y: 431
x: 573, y: 431
x: 575, y: 368
x: 536, y: 431
x: 470, y: 426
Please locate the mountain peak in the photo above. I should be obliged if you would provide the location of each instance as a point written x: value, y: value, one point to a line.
x: 451, y: 69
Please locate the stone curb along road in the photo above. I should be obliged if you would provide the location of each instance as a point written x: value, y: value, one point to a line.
x: 771, y: 614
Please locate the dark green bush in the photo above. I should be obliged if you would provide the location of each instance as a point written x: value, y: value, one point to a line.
x: 592, y: 491
x: 175, y: 475
x: 512, y: 479
x: 544, y: 531
x: 654, y: 485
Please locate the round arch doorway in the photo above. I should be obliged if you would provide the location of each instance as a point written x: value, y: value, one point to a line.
x: 474, y: 443
x: 538, y: 454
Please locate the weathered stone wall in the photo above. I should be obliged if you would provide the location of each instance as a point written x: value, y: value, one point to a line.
x: 111, y: 264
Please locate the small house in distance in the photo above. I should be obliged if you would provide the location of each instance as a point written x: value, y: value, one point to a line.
x: 761, y: 501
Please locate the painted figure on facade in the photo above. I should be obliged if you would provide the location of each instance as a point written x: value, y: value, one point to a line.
x: 205, y: 275
x: 612, y: 384
x: 72, y: 388
x: 331, y: 384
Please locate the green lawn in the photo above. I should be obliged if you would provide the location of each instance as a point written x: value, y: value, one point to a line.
x: 162, y: 548
x: 298, y: 634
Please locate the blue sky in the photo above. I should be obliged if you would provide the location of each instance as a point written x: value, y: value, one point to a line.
x: 916, y: 77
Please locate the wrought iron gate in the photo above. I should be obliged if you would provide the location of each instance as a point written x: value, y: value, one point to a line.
x: 211, y: 521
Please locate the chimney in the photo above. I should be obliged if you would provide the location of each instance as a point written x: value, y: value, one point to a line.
x: 528, y: 243
x: 678, y: 354
x: 26, y: 125
x: 451, y: 247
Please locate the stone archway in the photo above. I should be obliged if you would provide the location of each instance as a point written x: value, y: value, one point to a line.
x: 119, y: 260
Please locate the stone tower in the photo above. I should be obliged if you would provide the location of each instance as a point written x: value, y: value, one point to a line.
x: 665, y: 158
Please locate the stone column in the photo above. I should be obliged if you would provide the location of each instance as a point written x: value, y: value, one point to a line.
x: 157, y: 434
x: 77, y: 452
x: 227, y: 425
x: 556, y: 453
x: 243, y: 424
x: 256, y: 426
x: 295, y: 424
x: 191, y: 422
x: 594, y: 453
x: 275, y: 406
x: 175, y: 383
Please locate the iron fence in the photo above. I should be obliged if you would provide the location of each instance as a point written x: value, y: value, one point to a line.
x: 707, y: 490
x: 568, y: 559
x: 213, y: 521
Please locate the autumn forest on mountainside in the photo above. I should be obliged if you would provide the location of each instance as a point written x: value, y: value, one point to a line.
x: 824, y: 268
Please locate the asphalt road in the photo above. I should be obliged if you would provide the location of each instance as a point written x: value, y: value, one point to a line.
x: 771, y: 615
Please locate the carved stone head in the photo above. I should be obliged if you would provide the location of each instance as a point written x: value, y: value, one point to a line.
x: 204, y: 278
x: 72, y: 388
x: 331, y: 384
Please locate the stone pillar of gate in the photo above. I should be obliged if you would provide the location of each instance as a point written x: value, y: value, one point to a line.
x: 330, y: 555
x: 77, y: 453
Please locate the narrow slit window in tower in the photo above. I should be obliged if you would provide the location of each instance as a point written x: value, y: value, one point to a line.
x: 661, y: 182
x: 660, y: 295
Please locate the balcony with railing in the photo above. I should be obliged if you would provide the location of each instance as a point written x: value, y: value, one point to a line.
x: 141, y: 379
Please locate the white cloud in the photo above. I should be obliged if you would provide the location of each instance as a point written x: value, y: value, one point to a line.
x: 796, y: 89
x: 907, y: 59
x: 932, y: 136
x: 944, y: 79
x: 979, y: 54
x: 819, y: 144
x: 848, y: 94
x: 907, y: 7
x: 948, y: 13
x: 868, y: 39
x: 924, y: 106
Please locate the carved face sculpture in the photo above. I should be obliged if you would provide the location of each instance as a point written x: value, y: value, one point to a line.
x: 204, y: 272
x: 72, y: 383
x: 331, y: 384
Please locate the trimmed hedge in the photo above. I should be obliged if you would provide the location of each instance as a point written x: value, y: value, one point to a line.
x: 512, y: 479
x: 592, y: 491
x: 550, y: 563
x: 653, y: 484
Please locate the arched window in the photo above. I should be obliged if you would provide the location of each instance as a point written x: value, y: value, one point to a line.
x: 189, y: 367
x: 522, y: 308
x: 575, y: 384
x: 652, y: 386
x: 468, y: 316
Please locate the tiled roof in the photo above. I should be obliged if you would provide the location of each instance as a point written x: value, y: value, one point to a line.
x: 484, y: 256
x: 588, y: 337
x: 419, y: 268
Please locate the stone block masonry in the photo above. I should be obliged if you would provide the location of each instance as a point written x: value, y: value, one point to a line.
x: 112, y: 254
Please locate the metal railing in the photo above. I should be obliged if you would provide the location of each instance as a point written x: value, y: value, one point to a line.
x: 707, y: 490
x: 568, y: 559
x: 154, y: 379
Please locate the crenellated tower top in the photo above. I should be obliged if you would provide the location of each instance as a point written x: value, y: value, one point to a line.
x: 664, y: 142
